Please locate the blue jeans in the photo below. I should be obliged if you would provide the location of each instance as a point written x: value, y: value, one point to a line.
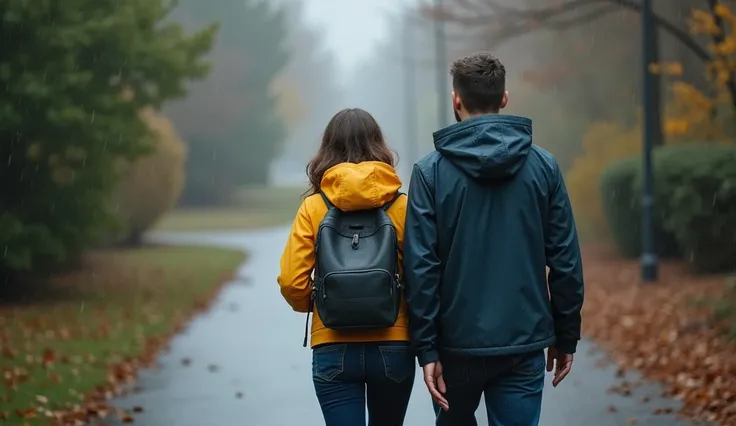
x: 512, y: 386
x: 350, y: 376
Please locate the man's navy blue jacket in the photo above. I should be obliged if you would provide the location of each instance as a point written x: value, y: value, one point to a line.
x: 488, y: 212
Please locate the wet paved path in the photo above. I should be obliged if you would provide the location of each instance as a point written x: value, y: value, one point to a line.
x: 242, y: 363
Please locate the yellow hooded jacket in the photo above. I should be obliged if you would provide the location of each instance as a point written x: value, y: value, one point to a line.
x: 349, y: 187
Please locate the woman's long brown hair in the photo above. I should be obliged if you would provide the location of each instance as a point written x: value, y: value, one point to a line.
x: 351, y: 136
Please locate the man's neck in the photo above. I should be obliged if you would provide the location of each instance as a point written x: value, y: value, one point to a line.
x: 478, y: 114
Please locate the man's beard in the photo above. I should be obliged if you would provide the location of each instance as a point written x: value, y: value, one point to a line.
x: 457, y: 116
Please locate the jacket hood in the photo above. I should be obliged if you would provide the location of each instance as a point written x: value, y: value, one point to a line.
x: 487, y: 147
x: 366, y: 185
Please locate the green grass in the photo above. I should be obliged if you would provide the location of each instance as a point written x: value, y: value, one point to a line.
x: 252, y: 208
x: 116, y: 311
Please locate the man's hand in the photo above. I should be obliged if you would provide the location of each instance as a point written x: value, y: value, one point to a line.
x: 561, y: 363
x: 436, y: 383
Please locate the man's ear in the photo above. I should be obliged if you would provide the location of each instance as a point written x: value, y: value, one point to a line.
x: 457, y: 103
x: 504, y: 100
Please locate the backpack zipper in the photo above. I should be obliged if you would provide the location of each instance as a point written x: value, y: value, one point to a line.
x: 356, y: 241
x: 399, y: 285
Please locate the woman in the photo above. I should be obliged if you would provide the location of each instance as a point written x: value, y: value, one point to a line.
x: 354, y: 170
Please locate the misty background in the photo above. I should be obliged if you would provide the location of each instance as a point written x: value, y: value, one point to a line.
x: 354, y: 54
x: 153, y: 154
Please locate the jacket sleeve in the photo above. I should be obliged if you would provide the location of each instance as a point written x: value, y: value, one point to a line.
x: 422, y: 268
x: 565, y: 278
x: 297, y: 262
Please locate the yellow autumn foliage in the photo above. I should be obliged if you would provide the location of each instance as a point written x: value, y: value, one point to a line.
x: 689, y: 116
x: 152, y: 185
x: 603, y: 144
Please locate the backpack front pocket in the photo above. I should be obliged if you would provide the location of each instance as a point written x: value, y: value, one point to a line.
x: 358, y: 299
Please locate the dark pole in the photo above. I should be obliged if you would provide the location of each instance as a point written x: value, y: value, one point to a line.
x: 410, y: 96
x: 442, y: 86
x: 649, y: 254
x: 656, y: 86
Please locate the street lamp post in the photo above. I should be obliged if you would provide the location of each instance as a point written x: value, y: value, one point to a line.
x: 649, y: 255
x: 441, y: 57
x: 410, y: 97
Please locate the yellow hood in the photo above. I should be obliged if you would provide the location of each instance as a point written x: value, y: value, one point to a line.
x: 351, y: 186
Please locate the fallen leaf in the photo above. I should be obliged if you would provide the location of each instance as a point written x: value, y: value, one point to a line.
x: 620, y: 372
x: 48, y: 356
x: 657, y: 330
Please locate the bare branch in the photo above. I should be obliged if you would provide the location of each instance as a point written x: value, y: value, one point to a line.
x: 499, y: 16
x: 585, y: 18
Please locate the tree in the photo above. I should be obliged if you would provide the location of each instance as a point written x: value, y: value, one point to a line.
x: 291, y: 106
x: 312, y: 73
x: 231, y: 120
x: 508, y: 22
x: 75, y: 77
x: 379, y: 86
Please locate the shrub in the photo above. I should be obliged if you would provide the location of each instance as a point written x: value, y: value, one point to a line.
x: 152, y: 185
x: 622, y: 205
x: 696, y: 191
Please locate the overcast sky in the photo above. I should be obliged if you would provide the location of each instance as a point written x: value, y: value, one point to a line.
x: 352, y: 26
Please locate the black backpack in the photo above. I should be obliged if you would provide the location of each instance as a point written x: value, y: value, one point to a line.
x: 356, y: 282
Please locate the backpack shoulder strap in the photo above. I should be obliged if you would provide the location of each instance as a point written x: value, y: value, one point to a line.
x: 327, y: 201
x: 393, y: 200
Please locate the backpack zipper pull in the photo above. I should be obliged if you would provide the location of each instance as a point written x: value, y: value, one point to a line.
x: 356, y: 240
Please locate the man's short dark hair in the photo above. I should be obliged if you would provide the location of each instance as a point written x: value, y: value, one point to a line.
x: 480, y: 81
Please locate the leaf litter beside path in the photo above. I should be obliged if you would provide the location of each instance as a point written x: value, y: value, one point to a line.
x: 660, y: 331
x: 63, y: 359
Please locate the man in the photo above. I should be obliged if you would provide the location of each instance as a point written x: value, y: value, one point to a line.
x: 487, y: 213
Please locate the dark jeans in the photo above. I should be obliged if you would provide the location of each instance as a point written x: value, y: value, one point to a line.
x: 512, y: 386
x: 349, y: 376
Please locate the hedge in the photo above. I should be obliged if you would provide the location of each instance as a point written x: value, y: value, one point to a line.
x: 696, y: 188
x: 695, y: 197
x: 622, y: 207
